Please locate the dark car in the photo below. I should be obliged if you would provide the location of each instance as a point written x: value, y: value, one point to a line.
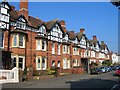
x: 95, y: 71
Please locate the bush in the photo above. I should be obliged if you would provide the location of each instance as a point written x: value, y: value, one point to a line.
x: 106, y: 63
x: 24, y: 77
x: 50, y: 72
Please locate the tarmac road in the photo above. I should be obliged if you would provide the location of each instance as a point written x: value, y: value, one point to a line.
x: 105, y: 81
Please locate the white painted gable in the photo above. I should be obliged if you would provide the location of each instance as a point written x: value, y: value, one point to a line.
x: 21, y: 19
x: 83, y: 42
x: 56, y: 34
x: 65, y: 39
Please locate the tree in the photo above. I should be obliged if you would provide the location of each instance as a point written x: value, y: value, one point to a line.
x: 106, y: 63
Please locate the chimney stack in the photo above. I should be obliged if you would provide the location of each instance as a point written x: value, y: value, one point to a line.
x: 13, y: 8
x: 24, y: 8
x: 95, y: 38
x: 72, y: 31
x: 102, y: 42
x: 82, y: 30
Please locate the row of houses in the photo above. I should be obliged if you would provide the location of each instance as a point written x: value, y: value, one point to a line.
x: 30, y: 42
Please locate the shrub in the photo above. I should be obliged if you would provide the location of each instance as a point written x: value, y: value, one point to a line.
x: 50, y: 72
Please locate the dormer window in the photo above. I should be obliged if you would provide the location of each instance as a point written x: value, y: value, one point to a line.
x: 21, y: 25
x: 42, y: 30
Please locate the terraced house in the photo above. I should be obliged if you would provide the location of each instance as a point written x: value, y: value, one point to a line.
x: 30, y: 42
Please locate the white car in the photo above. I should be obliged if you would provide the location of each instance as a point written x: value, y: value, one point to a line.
x: 103, y: 69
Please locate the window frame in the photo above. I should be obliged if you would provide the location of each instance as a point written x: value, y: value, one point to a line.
x: 66, y: 63
x: 53, y: 48
x: 17, y: 61
x: 59, y: 49
x: 41, y: 63
x: 20, y: 25
x: 18, y: 40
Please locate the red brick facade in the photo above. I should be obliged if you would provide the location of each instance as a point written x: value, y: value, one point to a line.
x: 30, y: 53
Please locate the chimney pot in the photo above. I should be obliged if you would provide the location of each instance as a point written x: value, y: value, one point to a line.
x: 102, y: 42
x: 72, y: 31
x: 94, y: 37
x: 82, y: 30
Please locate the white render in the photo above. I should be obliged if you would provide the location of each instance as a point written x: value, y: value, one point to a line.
x: 115, y: 58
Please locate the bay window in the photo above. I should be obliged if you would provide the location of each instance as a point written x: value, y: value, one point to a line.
x: 40, y: 45
x: 21, y: 39
x: 40, y: 63
x: 18, y: 61
x: 18, y: 40
x: 66, y: 63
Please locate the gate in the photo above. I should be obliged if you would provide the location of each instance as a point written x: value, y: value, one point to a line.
x: 9, y: 76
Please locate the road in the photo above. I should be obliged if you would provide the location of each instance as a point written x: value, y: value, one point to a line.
x: 105, y: 80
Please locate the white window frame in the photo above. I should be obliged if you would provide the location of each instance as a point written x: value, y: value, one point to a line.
x: 38, y: 47
x: 75, y: 63
x: 23, y: 37
x: 42, y: 30
x: 59, y: 64
x: 41, y: 68
x: 66, y: 63
x: 53, y: 48
x: 17, y: 61
x: 38, y: 63
x: 17, y: 40
x: 65, y: 47
x: 53, y: 63
x: 59, y: 48
x: 44, y: 45
x: 20, y: 25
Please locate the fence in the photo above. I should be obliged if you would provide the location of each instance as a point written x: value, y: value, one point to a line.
x: 9, y: 76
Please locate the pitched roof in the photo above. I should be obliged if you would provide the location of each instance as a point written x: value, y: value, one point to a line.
x: 71, y: 34
x: 14, y: 15
x: 62, y: 23
x: 51, y: 23
x: 35, y: 22
x: 94, y: 42
x: 79, y: 35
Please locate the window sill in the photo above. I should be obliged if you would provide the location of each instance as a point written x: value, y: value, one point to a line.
x: 66, y: 68
x: 17, y: 47
x: 1, y: 47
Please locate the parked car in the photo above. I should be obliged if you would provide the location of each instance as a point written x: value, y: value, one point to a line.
x: 117, y: 67
x: 108, y: 69
x: 103, y: 69
x: 95, y: 70
x: 112, y: 68
x: 117, y: 71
